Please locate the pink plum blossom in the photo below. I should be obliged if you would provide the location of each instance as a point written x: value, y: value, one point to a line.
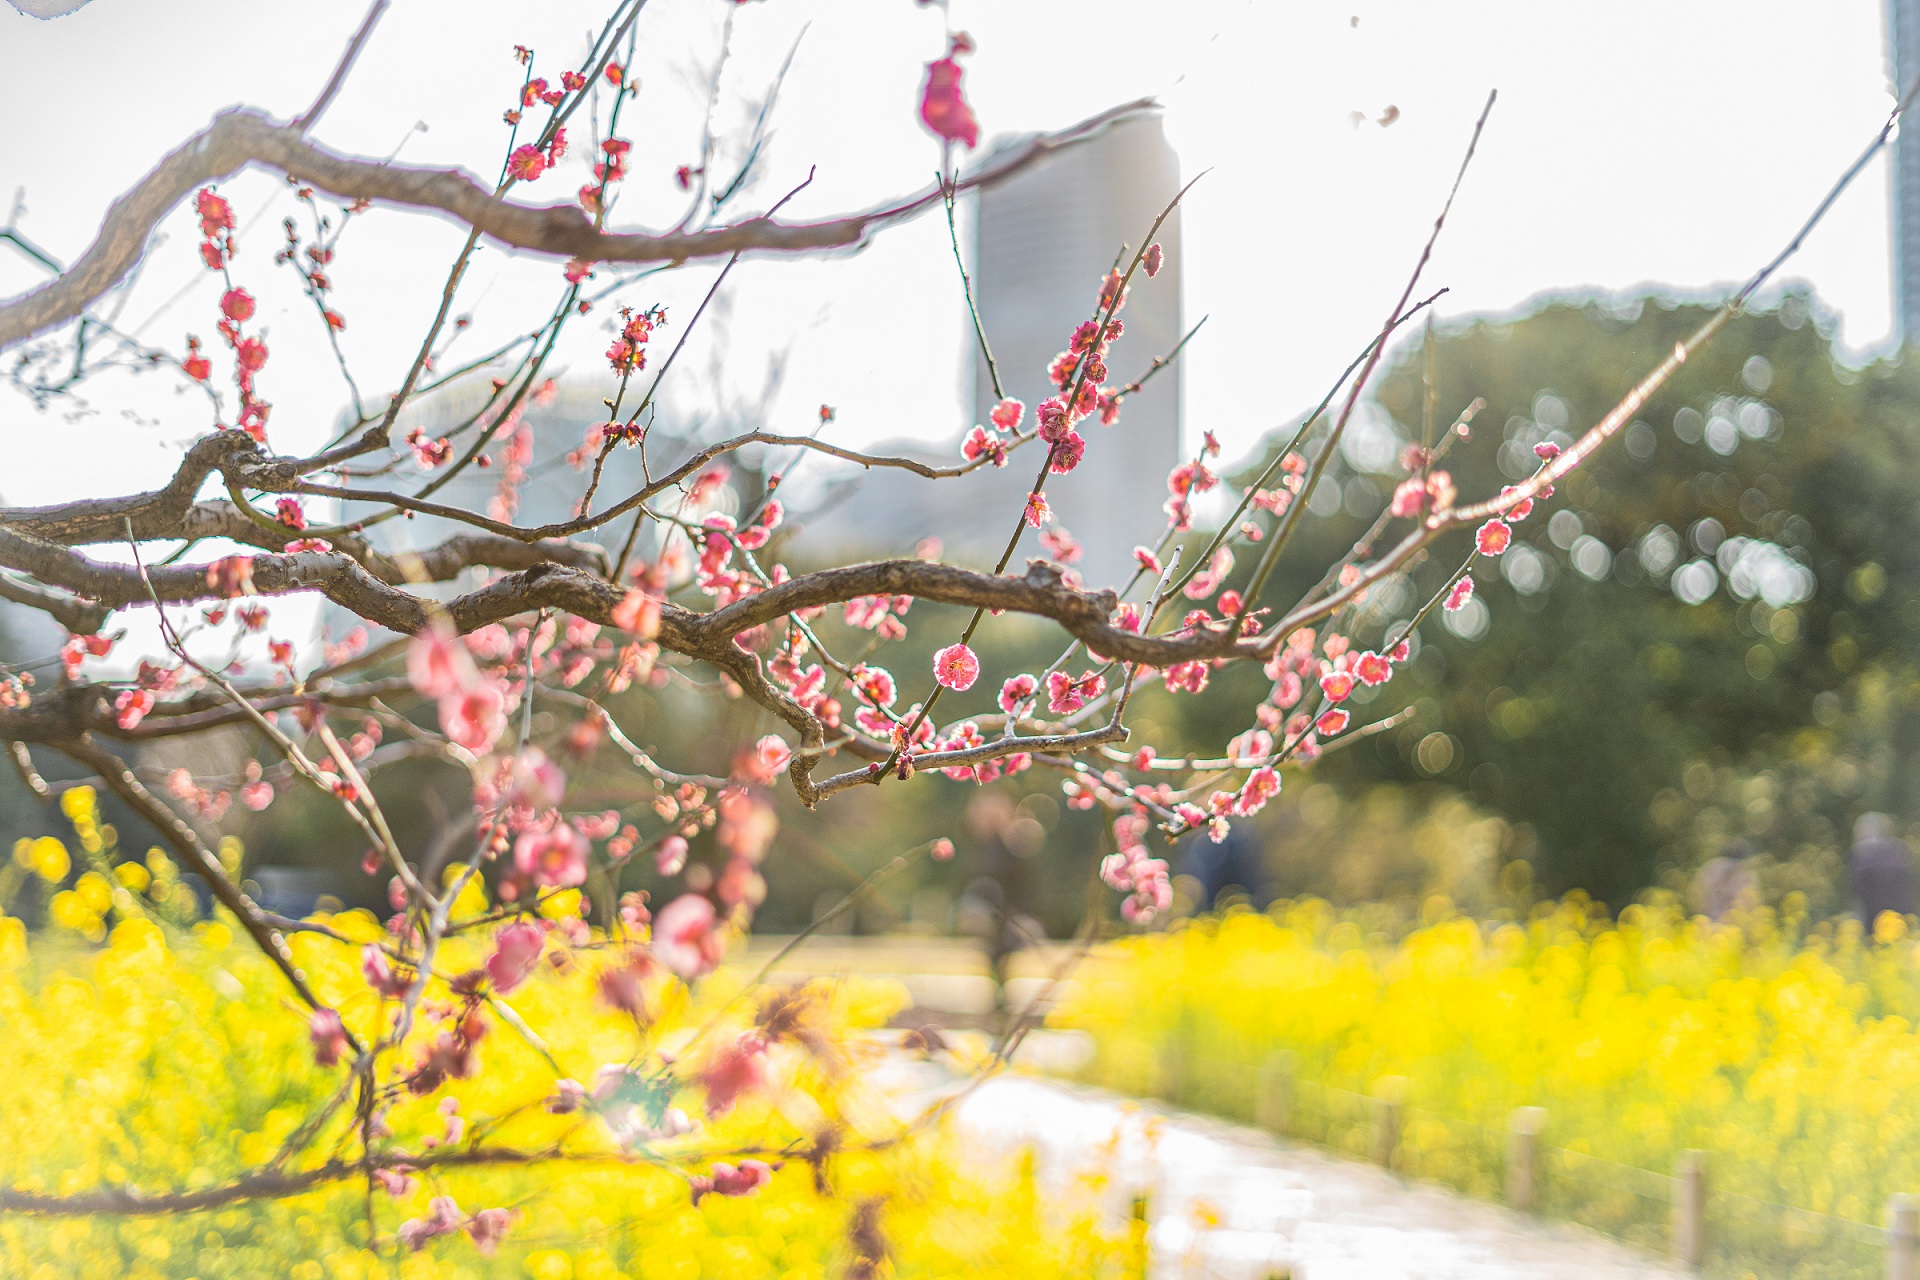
x: 685, y: 937
x: 516, y: 950
x: 956, y: 667
x: 438, y: 664
x: 329, y: 1036
x: 732, y: 1180
x: 476, y: 716
x: 1493, y: 538
x: 555, y: 858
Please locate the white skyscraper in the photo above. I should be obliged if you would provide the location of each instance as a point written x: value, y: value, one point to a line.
x: 1045, y: 240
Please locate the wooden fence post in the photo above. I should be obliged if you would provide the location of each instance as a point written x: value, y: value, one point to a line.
x: 1386, y: 1120
x: 1903, y: 1238
x: 1690, y: 1208
x: 1273, y: 1093
x: 1139, y: 1227
x: 1523, y: 1158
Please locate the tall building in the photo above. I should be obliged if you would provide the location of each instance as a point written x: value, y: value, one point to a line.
x: 1903, y: 65
x: 1044, y: 240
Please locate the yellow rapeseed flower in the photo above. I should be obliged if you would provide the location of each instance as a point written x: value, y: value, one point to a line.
x: 163, y: 1060
x: 1790, y: 1052
x: 48, y: 859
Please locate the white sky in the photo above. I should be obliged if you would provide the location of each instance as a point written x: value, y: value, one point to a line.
x: 1677, y: 141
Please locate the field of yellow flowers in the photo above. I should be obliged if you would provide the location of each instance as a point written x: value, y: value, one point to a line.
x: 140, y: 1051
x: 1788, y: 1052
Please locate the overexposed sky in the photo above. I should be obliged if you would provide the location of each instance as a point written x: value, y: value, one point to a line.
x: 1677, y: 143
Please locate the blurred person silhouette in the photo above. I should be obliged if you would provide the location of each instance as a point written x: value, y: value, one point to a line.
x: 1879, y: 869
x: 1005, y: 871
x: 1723, y: 882
x: 1236, y: 863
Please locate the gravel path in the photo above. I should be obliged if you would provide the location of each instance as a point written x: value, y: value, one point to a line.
x: 1280, y: 1209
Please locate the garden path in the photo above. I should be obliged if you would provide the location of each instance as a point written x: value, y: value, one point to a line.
x: 1278, y: 1208
x: 1233, y: 1203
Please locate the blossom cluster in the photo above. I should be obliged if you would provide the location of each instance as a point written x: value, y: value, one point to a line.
x: 1130, y: 871
x: 237, y: 306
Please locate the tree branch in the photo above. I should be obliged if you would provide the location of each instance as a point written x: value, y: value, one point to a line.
x: 156, y: 514
x: 193, y: 850
x: 274, y: 1184
x: 1052, y: 743
x: 242, y: 136
x: 311, y: 116
x: 82, y: 617
x: 373, y: 591
x: 1041, y: 590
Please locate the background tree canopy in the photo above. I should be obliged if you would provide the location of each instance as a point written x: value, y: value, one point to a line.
x: 1707, y: 632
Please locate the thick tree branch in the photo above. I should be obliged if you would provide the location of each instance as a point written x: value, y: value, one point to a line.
x: 440, y: 563
x: 171, y: 512
x: 82, y: 617
x: 370, y: 591
x: 1041, y: 590
x: 242, y: 137
x: 339, y: 577
x: 707, y: 637
x: 158, y: 513
x: 268, y: 1183
x: 265, y: 1184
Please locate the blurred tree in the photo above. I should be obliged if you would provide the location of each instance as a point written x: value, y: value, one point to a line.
x: 1702, y: 600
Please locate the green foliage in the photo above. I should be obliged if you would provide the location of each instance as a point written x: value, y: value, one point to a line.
x: 1597, y: 692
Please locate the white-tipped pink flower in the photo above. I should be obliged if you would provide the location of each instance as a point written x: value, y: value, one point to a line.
x: 1372, y: 668
x: 1493, y: 538
x: 1336, y: 685
x: 956, y: 667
